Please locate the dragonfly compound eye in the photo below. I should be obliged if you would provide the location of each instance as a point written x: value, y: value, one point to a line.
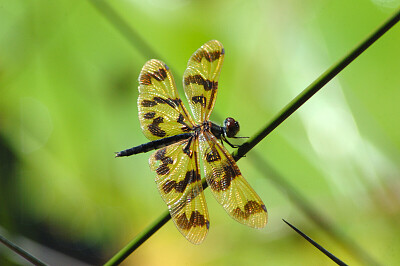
x: 232, y: 127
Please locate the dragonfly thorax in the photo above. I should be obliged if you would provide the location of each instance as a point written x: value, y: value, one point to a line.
x: 230, y: 129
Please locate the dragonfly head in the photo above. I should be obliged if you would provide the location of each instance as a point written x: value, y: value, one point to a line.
x: 231, y: 127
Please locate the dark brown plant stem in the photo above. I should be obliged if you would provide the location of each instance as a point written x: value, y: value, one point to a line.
x: 320, y: 219
x: 318, y: 246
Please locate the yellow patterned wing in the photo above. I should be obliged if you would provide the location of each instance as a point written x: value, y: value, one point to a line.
x: 179, y: 183
x: 200, y: 80
x: 161, y: 112
x: 228, y: 186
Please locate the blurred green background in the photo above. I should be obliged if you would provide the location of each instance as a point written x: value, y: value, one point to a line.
x: 68, y: 90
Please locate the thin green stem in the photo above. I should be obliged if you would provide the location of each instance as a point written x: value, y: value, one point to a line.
x: 139, y: 239
x: 314, y: 87
x: 289, y: 109
x: 21, y: 252
x: 123, y: 27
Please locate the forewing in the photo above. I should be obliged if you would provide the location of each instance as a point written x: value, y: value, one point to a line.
x: 228, y: 186
x: 161, y: 112
x: 200, y: 80
x: 179, y: 183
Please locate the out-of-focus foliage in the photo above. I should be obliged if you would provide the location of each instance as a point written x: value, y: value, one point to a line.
x: 68, y: 89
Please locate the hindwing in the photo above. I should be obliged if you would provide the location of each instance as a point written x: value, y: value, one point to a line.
x: 179, y: 183
x: 227, y: 184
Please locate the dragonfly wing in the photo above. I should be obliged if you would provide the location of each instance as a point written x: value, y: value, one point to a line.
x: 228, y: 186
x: 161, y: 112
x: 200, y: 80
x: 179, y: 183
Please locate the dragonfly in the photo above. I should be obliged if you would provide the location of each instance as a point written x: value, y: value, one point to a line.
x: 182, y: 142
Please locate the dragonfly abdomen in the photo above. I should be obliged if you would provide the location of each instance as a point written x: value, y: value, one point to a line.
x: 153, y: 145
